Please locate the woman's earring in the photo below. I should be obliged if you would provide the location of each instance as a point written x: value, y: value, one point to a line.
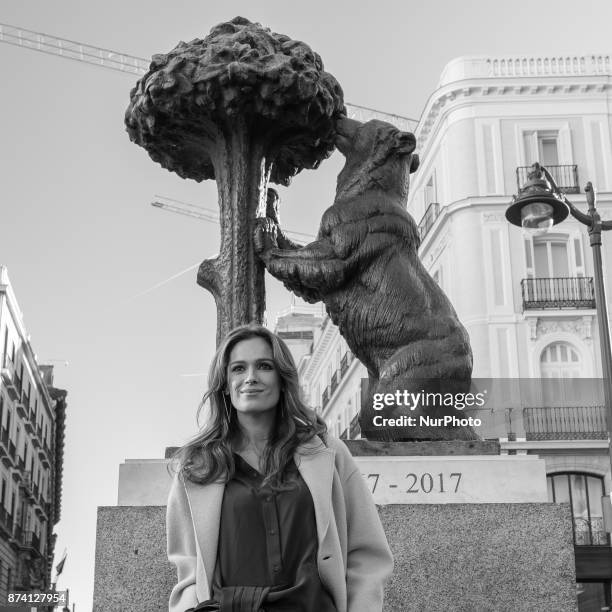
x: 227, y: 410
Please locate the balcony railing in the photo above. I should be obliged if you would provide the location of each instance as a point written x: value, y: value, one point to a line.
x: 6, y: 520
x: 21, y: 409
x: 428, y: 219
x: 354, y: 428
x: 26, y: 484
x: 18, y: 533
x: 566, y: 423
x: 344, y: 364
x: 42, y: 455
x: 565, y: 176
x: 577, y: 292
x: 4, y: 448
x: 333, y: 385
x: 31, y: 540
x: 9, y: 378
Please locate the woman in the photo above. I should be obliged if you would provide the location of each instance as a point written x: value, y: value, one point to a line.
x: 266, y: 512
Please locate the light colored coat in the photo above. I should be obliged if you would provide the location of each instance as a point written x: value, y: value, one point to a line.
x: 353, y: 559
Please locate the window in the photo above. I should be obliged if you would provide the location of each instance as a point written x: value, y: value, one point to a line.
x: 551, y: 258
x: 429, y: 193
x: 541, y: 146
x: 4, y: 353
x: 554, y: 262
x: 583, y: 492
x: 560, y: 360
x: 593, y: 596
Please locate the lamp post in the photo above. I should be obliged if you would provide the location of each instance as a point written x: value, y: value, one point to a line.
x: 540, y: 205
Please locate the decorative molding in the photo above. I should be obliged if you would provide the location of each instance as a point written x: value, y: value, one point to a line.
x: 462, y: 91
x: 581, y: 327
x: 493, y: 217
x: 439, y: 248
x: 533, y: 328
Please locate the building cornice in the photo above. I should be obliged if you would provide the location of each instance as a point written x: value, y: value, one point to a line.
x: 466, y: 80
x: 17, y: 316
x: 488, y: 202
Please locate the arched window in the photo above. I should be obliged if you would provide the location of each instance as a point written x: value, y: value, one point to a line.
x: 560, y: 360
x: 583, y: 492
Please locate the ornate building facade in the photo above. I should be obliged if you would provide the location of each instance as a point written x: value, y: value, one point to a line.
x: 527, y: 301
x: 32, y: 417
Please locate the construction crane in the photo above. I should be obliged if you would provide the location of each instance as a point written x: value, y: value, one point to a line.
x: 207, y: 214
x: 122, y: 62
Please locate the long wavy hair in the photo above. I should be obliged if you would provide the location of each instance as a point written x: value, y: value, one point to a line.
x: 208, y: 457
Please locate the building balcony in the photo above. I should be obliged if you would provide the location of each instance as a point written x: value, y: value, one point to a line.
x: 17, y: 535
x: 31, y: 541
x: 333, y: 385
x: 354, y: 428
x: 5, y: 456
x: 42, y: 455
x: 6, y: 522
x: 344, y: 364
x: 565, y: 176
x: 26, y: 486
x: 428, y: 219
x: 9, y: 379
x: 565, y: 423
x: 19, y: 383
x: 544, y: 293
x: 325, y: 397
x: 21, y: 409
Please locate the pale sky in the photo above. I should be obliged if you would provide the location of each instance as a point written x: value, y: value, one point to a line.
x: 82, y: 243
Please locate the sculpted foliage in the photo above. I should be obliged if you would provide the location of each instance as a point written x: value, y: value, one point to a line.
x: 240, y: 75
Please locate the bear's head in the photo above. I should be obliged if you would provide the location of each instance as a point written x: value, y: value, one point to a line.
x: 378, y: 156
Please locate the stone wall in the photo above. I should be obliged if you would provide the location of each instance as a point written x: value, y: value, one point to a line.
x: 451, y: 557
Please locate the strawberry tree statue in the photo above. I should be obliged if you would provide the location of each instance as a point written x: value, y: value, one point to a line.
x: 244, y: 106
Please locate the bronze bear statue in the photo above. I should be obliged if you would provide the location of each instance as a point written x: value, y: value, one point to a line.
x: 364, y: 266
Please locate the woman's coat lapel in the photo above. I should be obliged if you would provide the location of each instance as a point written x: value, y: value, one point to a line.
x: 315, y: 463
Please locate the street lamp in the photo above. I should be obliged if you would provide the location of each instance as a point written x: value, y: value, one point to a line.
x: 539, y: 205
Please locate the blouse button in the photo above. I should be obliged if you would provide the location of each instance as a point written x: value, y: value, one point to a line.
x: 276, y: 568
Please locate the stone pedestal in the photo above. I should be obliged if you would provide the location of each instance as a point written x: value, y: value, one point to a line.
x: 473, y: 532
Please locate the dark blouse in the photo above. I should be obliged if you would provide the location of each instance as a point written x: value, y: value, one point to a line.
x: 268, y: 545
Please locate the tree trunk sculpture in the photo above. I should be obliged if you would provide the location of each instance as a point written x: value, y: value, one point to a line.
x: 245, y: 106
